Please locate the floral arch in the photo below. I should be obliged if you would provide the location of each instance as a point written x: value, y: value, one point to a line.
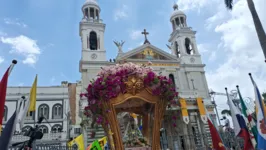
x: 130, y: 88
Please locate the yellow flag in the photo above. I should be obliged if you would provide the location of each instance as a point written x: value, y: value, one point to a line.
x: 33, y: 93
x: 78, y: 141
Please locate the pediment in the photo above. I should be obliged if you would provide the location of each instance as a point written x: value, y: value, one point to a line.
x: 147, y: 52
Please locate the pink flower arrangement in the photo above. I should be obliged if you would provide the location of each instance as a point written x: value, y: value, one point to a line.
x: 111, y: 82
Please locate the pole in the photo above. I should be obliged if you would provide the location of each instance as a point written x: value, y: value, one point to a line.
x: 215, y: 107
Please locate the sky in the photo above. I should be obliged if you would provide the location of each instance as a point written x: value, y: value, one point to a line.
x: 44, y: 37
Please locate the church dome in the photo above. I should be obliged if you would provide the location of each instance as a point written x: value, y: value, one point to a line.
x: 93, y: 2
x: 177, y: 12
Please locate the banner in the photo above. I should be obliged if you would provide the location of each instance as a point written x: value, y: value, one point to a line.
x: 202, y: 110
x: 184, y: 110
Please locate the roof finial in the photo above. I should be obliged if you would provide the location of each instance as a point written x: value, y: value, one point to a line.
x: 145, y: 34
x: 175, y: 6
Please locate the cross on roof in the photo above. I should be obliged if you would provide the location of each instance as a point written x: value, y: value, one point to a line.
x: 145, y: 34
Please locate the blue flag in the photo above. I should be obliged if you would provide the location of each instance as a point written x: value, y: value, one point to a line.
x: 261, y: 119
x: 8, y: 132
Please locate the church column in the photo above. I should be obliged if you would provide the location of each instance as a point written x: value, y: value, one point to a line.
x: 94, y: 10
x: 194, y: 45
x: 181, y: 44
x: 180, y: 24
x: 89, y: 14
x: 181, y: 87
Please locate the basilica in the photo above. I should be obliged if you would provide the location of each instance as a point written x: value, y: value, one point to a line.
x: 183, y: 65
x: 64, y: 108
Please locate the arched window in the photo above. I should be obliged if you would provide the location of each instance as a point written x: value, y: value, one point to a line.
x: 25, y: 129
x: 93, y: 41
x: 5, y: 113
x: 43, y: 129
x: 57, y: 128
x: 43, y: 111
x: 188, y: 46
x: 177, y: 50
x: 177, y: 21
x: 57, y: 111
x: 171, y: 76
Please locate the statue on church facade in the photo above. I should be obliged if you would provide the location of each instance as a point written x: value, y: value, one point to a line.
x: 119, y: 45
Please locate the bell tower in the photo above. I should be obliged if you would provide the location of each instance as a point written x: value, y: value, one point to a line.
x: 182, y: 39
x: 91, y: 31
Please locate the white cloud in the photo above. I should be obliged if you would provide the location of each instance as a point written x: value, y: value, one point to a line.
x: 135, y: 34
x: 15, y: 22
x: 212, y: 56
x: 244, y: 55
x: 1, y: 59
x: 21, y: 84
x: 186, y: 5
x: 121, y: 13
x: 203, y: 48
x: 24, y: 46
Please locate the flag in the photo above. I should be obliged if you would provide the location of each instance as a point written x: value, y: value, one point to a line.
x: 250, y: 122
x: 217, y: 143
x: 9, y: 129
x: 78, y: 141
x: 3, y: 86
x: 23, y: 113
x: 261, y: 126
x: 33, y: 93
x: 239, y: 123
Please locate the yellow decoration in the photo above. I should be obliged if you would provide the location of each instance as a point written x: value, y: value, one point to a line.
x: 148, y: 52
x: 201, y: 106
x: 133, y: 115
x: 183, y: 107
x: 155, y: 64
x: 102, y: 142
x: 202, y: 110
x: 78, y: 141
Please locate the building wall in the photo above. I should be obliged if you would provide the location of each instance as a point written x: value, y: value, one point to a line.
x: 48, y: 96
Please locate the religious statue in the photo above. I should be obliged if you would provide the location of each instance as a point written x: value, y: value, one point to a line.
x: 133, y: 136
x: 119, y: 45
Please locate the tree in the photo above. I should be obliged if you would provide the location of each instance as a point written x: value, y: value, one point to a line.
x: 258, y: 26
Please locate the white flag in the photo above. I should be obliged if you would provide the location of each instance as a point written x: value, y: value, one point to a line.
x: 23, y: 114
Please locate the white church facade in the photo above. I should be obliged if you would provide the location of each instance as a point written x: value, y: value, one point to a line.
x: 183, y: 65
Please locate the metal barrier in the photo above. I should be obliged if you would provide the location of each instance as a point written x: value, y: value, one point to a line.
x: 201, y: 142
x: 48, y: 147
